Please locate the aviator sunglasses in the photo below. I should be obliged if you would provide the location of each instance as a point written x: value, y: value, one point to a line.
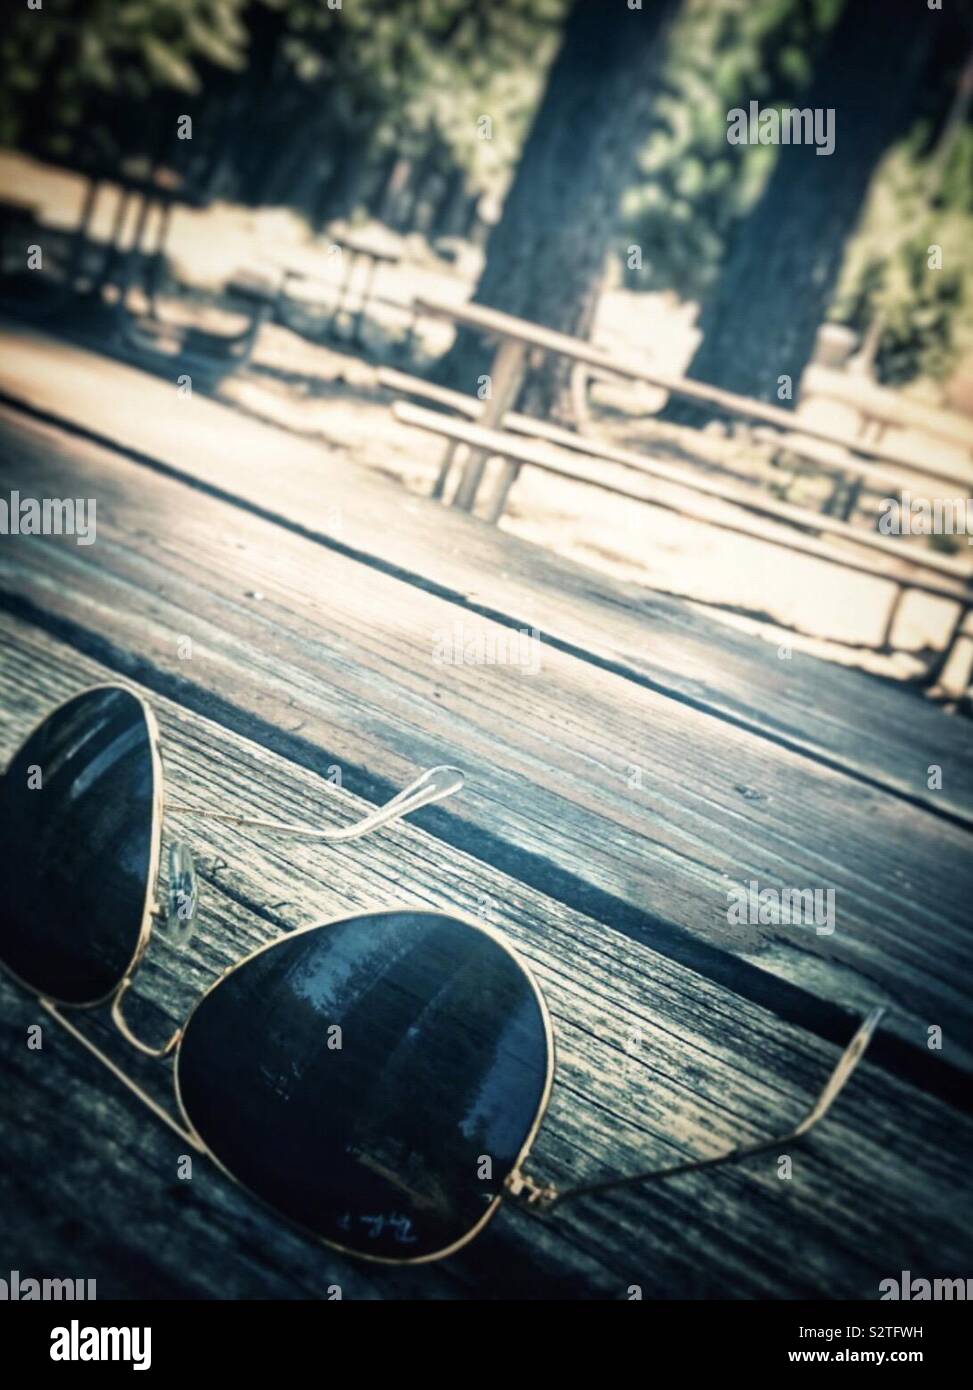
x: 353, y: 1074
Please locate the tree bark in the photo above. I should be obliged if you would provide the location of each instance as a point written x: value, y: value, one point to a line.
x: 761, y: 321
x: 545, y: 257
x: 381, y: 184
x: 449, y: 206
x: 339, y: 195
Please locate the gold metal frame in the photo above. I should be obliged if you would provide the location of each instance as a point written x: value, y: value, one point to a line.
x: 194, y: 1139
x: 153, y: 911
x: 151, y: 908
x: 516, y: 1185
x: 531, y: 1134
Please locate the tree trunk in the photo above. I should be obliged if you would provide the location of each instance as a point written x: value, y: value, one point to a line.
x: 422, y: 171
x: 252, y: 140
x: 780, y: 272
x: 470, y: 224
x: 545, y: 257
x: 339, y: 195
x: 450, y: 205
x: 381, y: 184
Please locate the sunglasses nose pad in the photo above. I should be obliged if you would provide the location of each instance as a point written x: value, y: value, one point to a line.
x: 183, y: 898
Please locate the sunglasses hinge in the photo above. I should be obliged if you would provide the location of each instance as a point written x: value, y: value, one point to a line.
x: 523, y: 1188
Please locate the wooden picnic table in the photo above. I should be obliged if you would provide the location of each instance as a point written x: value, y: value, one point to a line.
x: 357, y: 251
x: 138, y: 194
x: 882, y: 409
x: 148, y: 337
x: 747, y: 512
x: 171, y: 348
x: 613, y: 794
x: 158, y: 190
x: 516, y: 338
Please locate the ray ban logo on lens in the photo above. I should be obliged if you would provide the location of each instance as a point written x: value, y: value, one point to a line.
x: 487, y: 645
x: 48, y: 516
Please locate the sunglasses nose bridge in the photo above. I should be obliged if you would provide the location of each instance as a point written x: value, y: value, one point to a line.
x: 120, y: 1022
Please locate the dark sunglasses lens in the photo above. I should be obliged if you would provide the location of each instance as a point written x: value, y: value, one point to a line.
x: 76, y: 822
x: 375, y: 1080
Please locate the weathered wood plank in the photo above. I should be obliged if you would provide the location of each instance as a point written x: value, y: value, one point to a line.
x: 838, y: 716
x: 88, y: 1180
x: 331, y: 661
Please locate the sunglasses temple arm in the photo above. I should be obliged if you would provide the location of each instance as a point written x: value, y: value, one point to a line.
x: 847, y: 1063
x: 434, y: 785
x: 117, y: 1072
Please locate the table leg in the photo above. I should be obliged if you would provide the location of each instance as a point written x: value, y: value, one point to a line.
x: 79, y: 241
x: 159, y: 254
x: 342, y: 294
x: 112, y: 251
x: 498, y: 499
x: 134, y: 254
x: 885, y: 645
x: 832, y: 503
x: 261, y: 314
x: 408, y: 345
x: 439, y: 486
x: 940, y: 661
x: 506, y: 376
x: 366, y: 292
x: 851, y: 498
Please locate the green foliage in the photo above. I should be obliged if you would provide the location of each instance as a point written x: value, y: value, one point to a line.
x: 920, y: 300
x: 284, y: 92
x: 411, y: 72
x: 407, y: 75
x: 55, y: 60
x: 695, y: 185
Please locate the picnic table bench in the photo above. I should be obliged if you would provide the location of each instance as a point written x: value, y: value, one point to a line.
x: 97, y: 290
x: 864, y: 464
x: 298, y: 311
x: 613, y: 795
x: 173, y: 347
x: 881, y: 410
x: 745, y: 512
x: 94, y: 266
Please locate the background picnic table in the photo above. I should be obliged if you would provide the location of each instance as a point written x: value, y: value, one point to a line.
x: 612, y: 798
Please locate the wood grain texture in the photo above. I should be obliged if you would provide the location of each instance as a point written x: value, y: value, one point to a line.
x: 87, y: 1178
x: 838, y: 716
x: 331, y: 661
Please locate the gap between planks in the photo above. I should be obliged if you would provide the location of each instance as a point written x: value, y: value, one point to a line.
x: 762, y: 983
x: 956, y: 809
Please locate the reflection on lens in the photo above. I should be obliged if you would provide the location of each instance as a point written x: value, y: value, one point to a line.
x: 76, y: 821
x: 375, y: 1079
